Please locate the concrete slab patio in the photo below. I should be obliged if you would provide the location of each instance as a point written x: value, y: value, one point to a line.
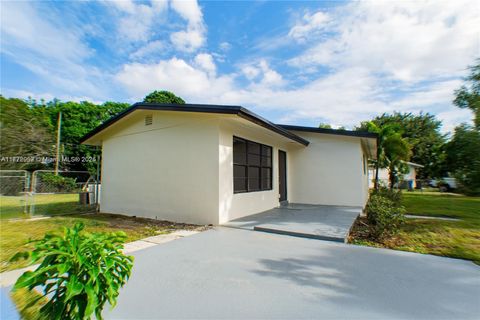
x: 227, y: 273
x: 302, y: 220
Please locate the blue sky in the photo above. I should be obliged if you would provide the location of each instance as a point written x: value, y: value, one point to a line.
x: 292, y: 62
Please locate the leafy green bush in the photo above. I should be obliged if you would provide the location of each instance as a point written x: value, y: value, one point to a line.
x: 384, y: 216
x: 57, y: 183
x: 394, y: 195
x: 79, y: 273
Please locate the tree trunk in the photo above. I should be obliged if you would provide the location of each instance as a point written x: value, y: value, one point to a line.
x: 377, y: 164
x: 391, y: 176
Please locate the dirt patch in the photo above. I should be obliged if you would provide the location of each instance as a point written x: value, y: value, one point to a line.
x: 129, y: 222
x: 359, y: 230
x: 360, y: 234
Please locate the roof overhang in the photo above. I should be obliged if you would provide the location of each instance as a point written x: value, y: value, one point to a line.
x: 202, y: 108
x: 370, y: 147
x: 338, y: 132
x: 368, y: 140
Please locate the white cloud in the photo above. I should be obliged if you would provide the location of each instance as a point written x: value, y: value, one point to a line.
x: 452, y: 118
x: 381, y: 57
x: 270, y: 76
x: 193, y: 84
x: 262, y: 70
x: 329, y: 98
x: 408, y: 41
x: 205, y: 62
x: 23, y: 27
x: 250, y: 71
x: 137, y: 20
x: 432, y: 96
x: 123, y: 5
x: 310, y: 23
x: 193, y: 37
x: 49, y: 47
x: 415, y: 52
x: 151, y: 48
x: 188, y: 41
x: 189, y: 10
x: 225, y: 46
x: 342, y: 98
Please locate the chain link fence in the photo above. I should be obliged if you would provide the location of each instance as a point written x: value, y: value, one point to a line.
x: 14, y: 182
x: 25, y: 194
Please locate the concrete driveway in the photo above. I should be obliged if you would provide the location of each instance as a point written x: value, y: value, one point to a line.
x: 227, y: 273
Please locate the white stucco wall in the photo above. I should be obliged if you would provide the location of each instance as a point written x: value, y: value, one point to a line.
x: 168, y: 170
x: 329, y: 171
x: 232, y: 206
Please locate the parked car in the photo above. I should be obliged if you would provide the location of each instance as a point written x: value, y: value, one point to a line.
x: 444, y: 184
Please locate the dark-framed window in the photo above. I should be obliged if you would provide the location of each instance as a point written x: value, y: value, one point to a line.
x: 252, y: 166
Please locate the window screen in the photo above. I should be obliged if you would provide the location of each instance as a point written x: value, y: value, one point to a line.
x: 252, y: 166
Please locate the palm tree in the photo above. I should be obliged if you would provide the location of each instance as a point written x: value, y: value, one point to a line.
x: 392, y: 150
x: 396, y: 151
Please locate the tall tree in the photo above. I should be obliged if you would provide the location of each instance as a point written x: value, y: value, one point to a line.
x: 78, y: 118
x: 422, y: 132
x: 24, y: 133
x: 468, y: 96
x: 163, y: 97
x: 464, y: 158
x: 464, y: 148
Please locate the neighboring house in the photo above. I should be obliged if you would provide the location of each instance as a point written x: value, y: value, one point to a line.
x: 210, y: 164
x: 409, y: 179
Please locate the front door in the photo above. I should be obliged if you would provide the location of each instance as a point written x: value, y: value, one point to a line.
x: 282, y: 174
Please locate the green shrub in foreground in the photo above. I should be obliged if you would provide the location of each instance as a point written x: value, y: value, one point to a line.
x: 394, y: 195
x: 384, y: 216
x: 79, y: 273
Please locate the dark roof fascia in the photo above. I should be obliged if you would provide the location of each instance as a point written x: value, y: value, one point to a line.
x: 348, y: 133
x: 247, y: 114
x: 203, y: 108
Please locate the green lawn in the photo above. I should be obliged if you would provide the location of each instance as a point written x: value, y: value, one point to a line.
x: 27, y: 206
x: 441, y: 205
x: 457, y: 239
x: 15, y: 234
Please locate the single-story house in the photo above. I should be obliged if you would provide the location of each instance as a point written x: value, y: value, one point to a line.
x: 408, y: 180
x: 209, y: 164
